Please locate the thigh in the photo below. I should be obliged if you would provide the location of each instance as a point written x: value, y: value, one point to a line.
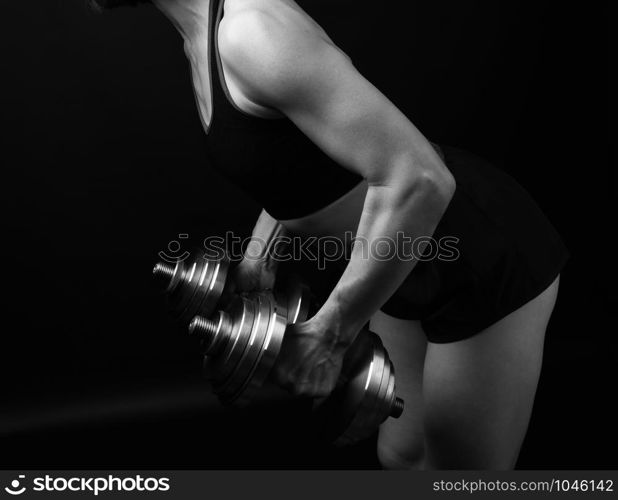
x: 400, y: 442
x: 479, y: 391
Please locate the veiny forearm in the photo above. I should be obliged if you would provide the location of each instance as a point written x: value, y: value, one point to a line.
x: 368, y: 282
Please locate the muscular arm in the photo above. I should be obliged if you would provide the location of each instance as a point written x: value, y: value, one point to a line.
x: 282, y: 64
x: 266, y: 233
x: 257, y: 270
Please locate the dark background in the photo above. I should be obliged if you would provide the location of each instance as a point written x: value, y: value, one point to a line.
x: 103, y: 164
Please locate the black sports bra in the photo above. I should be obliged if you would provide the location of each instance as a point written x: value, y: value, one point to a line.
x: 271, y: 160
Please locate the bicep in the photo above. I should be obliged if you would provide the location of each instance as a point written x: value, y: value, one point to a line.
x: 351, y: 120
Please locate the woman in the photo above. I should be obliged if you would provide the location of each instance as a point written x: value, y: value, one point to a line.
x: 290, y: 119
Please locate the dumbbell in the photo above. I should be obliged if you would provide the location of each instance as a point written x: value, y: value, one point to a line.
x: 242, y: 344
x: 356, y: 408
x: 200, y: 286
x: 195, y: 286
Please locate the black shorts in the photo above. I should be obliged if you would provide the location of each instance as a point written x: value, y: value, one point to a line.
x: 506, y: 254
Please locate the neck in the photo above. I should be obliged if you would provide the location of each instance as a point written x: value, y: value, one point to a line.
x: 190, y: 17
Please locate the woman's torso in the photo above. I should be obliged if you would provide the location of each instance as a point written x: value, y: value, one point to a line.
x: 313, y: 196
x: 263, y: 152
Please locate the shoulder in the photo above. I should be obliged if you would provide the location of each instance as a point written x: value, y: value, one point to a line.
x: 251, y: 37
x: 266, y: 43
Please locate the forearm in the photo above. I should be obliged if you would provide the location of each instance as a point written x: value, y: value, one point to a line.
x: 267, y: 234
x: 394, y: 216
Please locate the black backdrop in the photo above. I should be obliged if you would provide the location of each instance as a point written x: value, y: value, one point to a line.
x: 103, y: 164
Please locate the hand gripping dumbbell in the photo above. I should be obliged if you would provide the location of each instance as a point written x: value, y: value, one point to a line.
x: 242, y: 343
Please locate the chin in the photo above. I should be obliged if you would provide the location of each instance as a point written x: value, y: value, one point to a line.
x: 110, y: 4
